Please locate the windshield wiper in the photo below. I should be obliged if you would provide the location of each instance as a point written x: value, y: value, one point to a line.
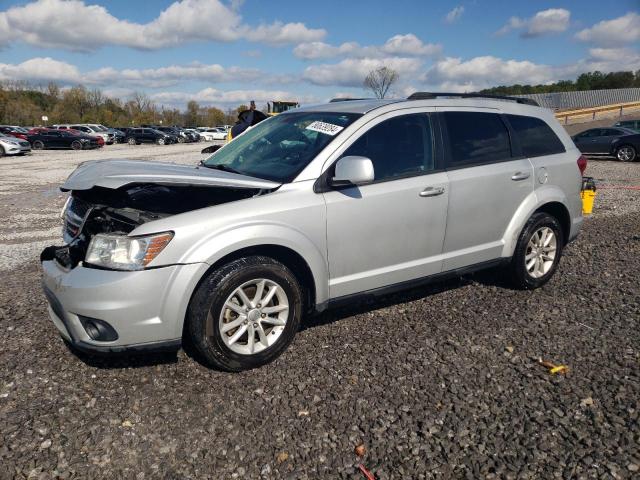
x: 224, y: 168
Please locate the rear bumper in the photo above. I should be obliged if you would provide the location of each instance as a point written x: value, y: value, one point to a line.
x: 145, y: 308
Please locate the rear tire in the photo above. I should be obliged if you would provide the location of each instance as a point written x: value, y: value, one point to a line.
x: 132, y: 141
x: 37, y: 145
x: 537, y: 252
x: 208, y: 314
x: 76, y: 145
x: 626, y: 153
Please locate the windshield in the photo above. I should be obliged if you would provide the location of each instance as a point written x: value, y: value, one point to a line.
x: 280, y: 147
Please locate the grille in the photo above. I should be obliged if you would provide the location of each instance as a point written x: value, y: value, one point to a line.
x: 74, y: 218
x: 25, y: 144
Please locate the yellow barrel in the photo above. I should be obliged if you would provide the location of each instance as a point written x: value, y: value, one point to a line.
x: 588, y: 197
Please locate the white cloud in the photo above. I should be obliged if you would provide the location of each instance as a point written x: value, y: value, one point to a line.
x: 553, y: 20
x: 230, y: 97
x: 619, y: 31
x: 47, y: 69
x: 410, y: 45
x: 454, y: 15
x: 74, y: 25
x: 40, y: 70
x: 404, y: 45
x: 482, y: 72
x: 351, y: 72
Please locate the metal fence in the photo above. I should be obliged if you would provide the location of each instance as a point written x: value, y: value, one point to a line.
x: 584, y: 98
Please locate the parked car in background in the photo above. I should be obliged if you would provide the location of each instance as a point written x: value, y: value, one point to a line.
x: 14, y: 131
x: 53, y: 138
x: 136, y: 136
x: 211, y: 134
x: 93, y: 131
x: 316, y: 207
x: 194, y: 133
x: 630, y: 124
x: 619, y: 142
x: 118, y: 136
x: 13, y: 146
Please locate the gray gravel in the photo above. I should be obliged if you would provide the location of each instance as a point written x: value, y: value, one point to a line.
x: 441, y: 382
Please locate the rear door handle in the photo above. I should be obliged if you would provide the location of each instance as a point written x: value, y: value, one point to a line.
x: 432, y: 192
x: 520, y: 176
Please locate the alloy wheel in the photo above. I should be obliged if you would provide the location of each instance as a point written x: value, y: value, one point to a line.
x: 253, y: 316
x: 541, y: 252
x: 626, y: 154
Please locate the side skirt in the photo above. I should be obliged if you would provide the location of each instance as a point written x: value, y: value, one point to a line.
x: 409, y: 284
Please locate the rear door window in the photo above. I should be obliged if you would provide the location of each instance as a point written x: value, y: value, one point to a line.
x: 536, y: 138
x: 476, y: 138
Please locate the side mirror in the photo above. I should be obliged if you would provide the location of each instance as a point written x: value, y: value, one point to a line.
x: 352, y: 170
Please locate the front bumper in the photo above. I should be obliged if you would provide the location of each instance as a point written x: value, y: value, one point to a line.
x: 17, y: 149
x: 146, y: 308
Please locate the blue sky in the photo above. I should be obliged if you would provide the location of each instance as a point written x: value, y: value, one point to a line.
x: 227, y: 52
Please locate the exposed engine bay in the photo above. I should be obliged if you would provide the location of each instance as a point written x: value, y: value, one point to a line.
x: 120, y: 211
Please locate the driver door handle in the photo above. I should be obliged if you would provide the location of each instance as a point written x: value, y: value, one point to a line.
x: 432, y: 192
x: 520, y: 176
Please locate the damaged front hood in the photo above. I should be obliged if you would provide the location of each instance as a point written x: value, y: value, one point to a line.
x: 118, y: 173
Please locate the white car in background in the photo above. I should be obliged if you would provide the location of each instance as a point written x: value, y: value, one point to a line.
x: 13, y: 146
x: 214, y: 134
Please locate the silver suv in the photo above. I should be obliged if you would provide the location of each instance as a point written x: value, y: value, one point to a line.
x: 306, y: 210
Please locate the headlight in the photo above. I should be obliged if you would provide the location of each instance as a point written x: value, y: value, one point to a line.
x: 121, y: 252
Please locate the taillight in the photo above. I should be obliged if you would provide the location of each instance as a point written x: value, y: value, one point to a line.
x: 582, y: 164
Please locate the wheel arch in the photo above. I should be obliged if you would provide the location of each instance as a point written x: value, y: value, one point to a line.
x: 561, y: 213
x: 285, y: 255
x: 550, y: 199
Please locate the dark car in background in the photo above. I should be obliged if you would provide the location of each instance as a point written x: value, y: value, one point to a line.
x: 49, y: 138
x: 118, y: 135
x: 630, y: 124
x: 175, y: 133
x: 620, y: 142
x: 136, y: 136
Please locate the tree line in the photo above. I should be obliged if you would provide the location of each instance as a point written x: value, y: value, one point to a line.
x: 25, y: 104
x: 587, y: 81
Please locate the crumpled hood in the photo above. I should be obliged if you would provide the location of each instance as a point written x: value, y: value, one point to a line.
x: 118, y: 173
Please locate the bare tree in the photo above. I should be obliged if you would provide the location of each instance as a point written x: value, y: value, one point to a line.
x: 379, y: 81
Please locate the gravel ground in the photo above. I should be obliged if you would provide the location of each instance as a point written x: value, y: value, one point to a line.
x: 438, y: 382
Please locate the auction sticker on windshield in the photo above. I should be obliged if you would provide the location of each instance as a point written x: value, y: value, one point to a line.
x: 326, y: 128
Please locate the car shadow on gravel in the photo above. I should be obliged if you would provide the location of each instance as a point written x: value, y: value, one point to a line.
x: 123, y: 360
x: 369, y: 304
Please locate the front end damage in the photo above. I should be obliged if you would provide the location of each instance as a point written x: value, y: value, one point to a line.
x: 99, y: 309
x: 103, y: 210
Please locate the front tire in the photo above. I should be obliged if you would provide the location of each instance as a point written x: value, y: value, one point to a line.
x: 626, y: 153
x: 160, y: 141
x: 245, y: 314
x: 76, y: 145
x: 537, y: 252
x: 1, y: 151
x: 132, y: 141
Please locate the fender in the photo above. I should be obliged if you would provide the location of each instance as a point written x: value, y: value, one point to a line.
x: 221, y: 243
x: 540, y: 196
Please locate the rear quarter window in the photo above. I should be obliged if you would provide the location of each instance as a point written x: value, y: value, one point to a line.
x: 535, y: 137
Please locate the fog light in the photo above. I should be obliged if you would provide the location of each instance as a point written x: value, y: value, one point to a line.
x: 98, y: 329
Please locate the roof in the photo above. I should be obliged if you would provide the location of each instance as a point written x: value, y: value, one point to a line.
x: 365, y: 106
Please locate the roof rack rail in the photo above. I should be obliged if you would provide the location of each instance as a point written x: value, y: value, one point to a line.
x: 432, y: 95
x: 334, y: 100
